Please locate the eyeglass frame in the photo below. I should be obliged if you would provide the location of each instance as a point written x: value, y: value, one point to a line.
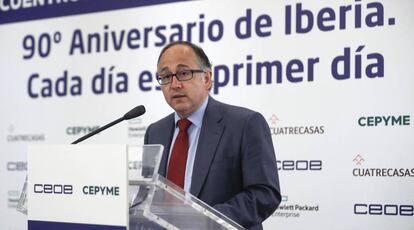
x: 171, y: 75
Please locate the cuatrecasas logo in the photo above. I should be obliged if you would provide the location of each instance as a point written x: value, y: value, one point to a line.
x: 276, y: 128
x: 14, y: 136
x: 364, y: 169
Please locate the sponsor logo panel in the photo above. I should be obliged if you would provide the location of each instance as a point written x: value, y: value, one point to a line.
x: 68, y: 189
x: 363, y: 167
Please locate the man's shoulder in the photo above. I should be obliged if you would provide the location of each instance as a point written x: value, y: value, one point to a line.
x: 165, y: 121
x: 233, y: 111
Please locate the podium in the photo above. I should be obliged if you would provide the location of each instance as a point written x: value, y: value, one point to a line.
x: 108, y: 187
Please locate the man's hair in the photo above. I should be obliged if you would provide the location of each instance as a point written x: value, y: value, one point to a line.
x: 201, y: 56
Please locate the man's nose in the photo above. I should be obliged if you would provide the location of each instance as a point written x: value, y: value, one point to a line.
x: 175, y: 83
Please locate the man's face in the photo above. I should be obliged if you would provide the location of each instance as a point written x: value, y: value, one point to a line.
x: 184, y: 97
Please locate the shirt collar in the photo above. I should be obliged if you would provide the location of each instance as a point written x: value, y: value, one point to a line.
x: 196, y: 118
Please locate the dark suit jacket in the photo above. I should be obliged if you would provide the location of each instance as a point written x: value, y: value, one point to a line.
x: 235, y: 166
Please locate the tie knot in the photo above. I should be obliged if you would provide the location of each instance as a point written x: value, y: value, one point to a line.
x: 183, y: 124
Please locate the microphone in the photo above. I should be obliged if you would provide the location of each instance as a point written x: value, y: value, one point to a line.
x: 133, y: 113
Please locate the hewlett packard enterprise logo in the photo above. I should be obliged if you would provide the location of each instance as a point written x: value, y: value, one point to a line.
x: 293, y: 209
x: 136, y: 128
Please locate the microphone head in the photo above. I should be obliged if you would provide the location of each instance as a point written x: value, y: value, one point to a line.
x: 135, y: 112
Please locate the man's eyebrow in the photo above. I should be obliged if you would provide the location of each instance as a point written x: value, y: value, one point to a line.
x: 163, y: 69
x: 178, y: 66
x: 182, y: 66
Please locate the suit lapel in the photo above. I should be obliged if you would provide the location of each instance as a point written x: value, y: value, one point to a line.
x: 210, y: 135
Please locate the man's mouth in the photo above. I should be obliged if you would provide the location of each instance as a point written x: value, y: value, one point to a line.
x: 178, y: 96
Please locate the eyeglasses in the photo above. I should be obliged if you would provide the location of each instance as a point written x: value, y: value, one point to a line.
x: 181, y: 75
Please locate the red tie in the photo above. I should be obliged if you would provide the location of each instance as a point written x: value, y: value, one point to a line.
x: 178, y: 158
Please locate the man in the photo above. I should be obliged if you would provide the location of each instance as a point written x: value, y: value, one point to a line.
x: 220, y: 153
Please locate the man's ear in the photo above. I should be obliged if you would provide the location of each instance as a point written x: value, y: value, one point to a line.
x: 208, y: 79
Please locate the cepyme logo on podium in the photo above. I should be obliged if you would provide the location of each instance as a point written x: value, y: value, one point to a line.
x: 77, y: 130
